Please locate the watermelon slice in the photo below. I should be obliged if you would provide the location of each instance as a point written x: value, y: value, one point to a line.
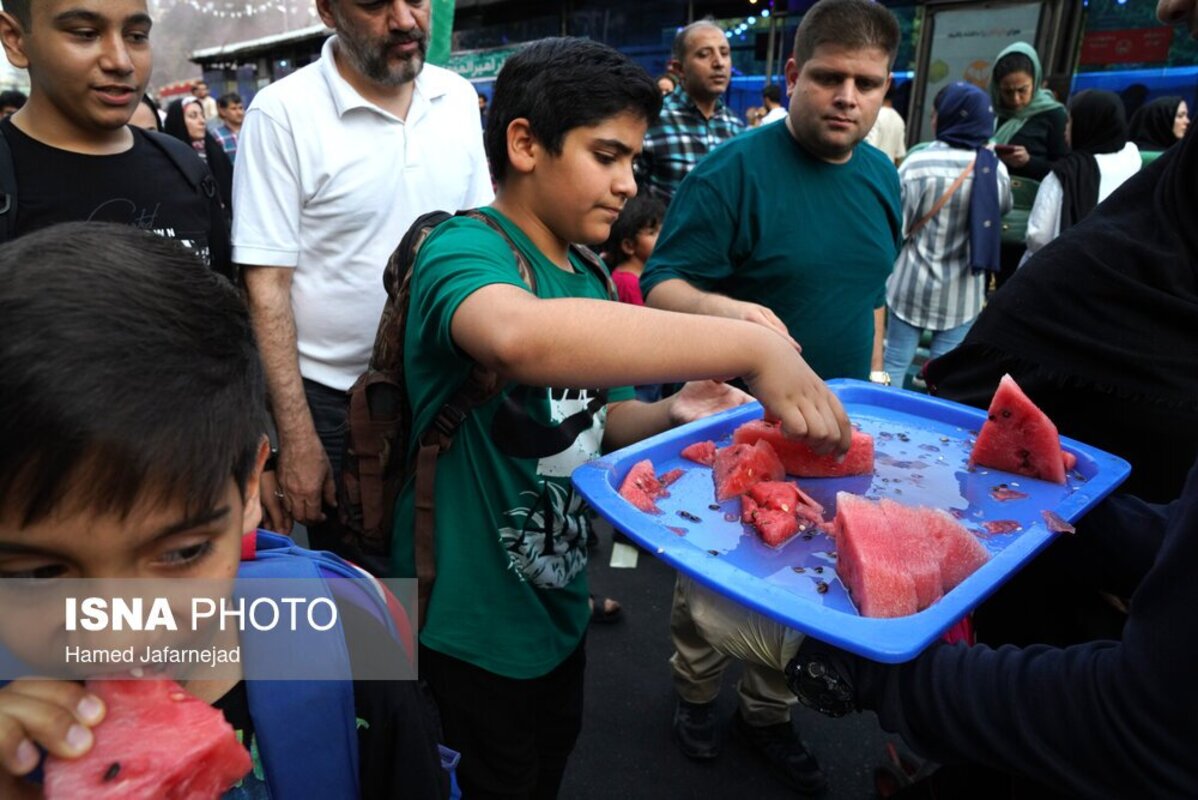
x: 896, y: 560
x: 868, y: 561
x: 1018, y: 437
x: 739, y: 466
x: 801, y: 460
x: 642, y: 488
x: 157, y: 742
x: 700, y: 452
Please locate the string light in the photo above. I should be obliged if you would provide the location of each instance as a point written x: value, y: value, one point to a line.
x: 241, y: 9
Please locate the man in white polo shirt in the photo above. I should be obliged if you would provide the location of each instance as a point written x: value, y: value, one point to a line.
x: 334, y: 163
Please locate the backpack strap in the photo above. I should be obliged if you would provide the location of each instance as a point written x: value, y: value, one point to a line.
x: 198, y: 176
x: 481, y: 386
x: 944, y: 198
x: 8, y: 191
x: 327, y: 742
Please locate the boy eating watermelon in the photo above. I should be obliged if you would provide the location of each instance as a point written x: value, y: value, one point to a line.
x: 131, y: 446
x: 502, y: 647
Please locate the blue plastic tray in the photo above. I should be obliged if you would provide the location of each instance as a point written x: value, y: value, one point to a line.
x: 921, y: 446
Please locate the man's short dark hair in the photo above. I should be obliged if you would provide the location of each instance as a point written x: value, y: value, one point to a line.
x: 130, y: 374
x: 678, y: 50
x: 642, y: 211
x: 229, y: 99
x: 853, y: 24
x: 19, y: 9
x: 561, y: 84
x: 772, y: 93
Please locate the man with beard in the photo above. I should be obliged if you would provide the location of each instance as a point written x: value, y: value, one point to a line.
x: 693, y: 118
x: 335, y: 162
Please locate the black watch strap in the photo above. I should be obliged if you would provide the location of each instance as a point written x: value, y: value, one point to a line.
x: 819, y: 685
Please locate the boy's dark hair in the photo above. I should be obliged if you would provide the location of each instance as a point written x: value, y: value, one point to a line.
x: 13, y: 98
x: 772, y: 93
x: 639, y: 213
x: 1012, y: 63
x: 229, y: 99
x: 853, y: 24
x: 19, y: 9
x: 561, y: 84
x: 130, y: 373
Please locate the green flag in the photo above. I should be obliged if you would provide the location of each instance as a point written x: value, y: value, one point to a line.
x: 441, y: 41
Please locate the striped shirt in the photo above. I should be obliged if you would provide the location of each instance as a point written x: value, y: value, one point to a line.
x: 932, y: 285
x: 679, y: 140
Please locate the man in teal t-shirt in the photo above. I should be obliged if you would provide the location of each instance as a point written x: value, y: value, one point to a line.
x: 795, y: 226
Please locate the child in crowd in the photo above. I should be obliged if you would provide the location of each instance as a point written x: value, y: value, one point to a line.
x: 627, y: 251
x: 631, y: 243
x: 131, y: 446
x: 502, y: 647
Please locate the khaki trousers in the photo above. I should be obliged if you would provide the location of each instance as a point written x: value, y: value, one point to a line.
x: 708, y: 630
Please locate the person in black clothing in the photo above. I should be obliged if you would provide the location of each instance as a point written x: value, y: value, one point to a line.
x: 1160, y: 124
x: 73, y: 154
x: 185, y: 121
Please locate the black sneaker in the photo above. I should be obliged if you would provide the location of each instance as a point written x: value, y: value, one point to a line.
x: 779, y: 745
x: 695, y: 729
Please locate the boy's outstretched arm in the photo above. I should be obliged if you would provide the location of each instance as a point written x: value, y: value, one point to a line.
x: 596, y: 343
x: 631, y: 421
x: 676, y: 294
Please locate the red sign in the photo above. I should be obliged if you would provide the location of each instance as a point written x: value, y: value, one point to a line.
x: 1140, y: 46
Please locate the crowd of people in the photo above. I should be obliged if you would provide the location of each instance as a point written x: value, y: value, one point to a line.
x: 183, y: 326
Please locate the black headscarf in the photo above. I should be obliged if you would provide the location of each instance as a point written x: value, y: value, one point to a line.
x: 1098, y: 126
x: 1152, y: 125
x: 218, y: 161
x: 1113, y: 302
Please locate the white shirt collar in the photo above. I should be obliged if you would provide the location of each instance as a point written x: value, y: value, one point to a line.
x: 430, y: 85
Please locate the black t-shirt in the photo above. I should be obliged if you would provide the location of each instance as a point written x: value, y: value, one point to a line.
x: 397, y: 724
x: 142, y: 187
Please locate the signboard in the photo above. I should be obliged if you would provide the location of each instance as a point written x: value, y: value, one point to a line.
x: 965, y: 43
x: 480, y: 65
x: 1142, y: 46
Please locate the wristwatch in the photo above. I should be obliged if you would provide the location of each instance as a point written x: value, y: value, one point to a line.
x: 818, y: 684
x: 879, y: 376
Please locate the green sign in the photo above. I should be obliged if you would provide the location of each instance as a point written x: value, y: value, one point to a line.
x: 482, y: 65
x: 441, y: 40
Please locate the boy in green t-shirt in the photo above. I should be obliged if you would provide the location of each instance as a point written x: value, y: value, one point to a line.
x: 502, y: 647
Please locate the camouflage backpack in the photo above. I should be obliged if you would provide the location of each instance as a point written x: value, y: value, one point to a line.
x: 376, y: 466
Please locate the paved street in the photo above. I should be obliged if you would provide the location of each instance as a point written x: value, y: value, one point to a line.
x: 626, y: 749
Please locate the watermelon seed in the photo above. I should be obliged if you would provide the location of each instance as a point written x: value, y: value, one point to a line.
x: 819, y: 570
x: 688, y: 516
x: 898, y: 491
x: 713, y: 552
x: 799, y: 570
x: 904, y: 437
x: 821, y: 587
x: 807, y: 537
x: 113, y: 769
x: 944, y: 439
x: 714, y: 506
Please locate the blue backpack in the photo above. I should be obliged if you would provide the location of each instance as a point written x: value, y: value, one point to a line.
x: 312, y: 760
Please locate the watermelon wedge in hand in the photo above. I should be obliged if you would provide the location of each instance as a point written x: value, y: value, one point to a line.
x: 157, y: 742
x: 1018, y: 437
x: 800, y: 460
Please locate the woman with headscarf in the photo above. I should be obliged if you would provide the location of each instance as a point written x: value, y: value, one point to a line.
x: 1102, y: 159
x: 1029, y: 140
x: 185, y: 121
x: 1031, y: 122
x: 1159, y: 125
x: 954, y: 194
